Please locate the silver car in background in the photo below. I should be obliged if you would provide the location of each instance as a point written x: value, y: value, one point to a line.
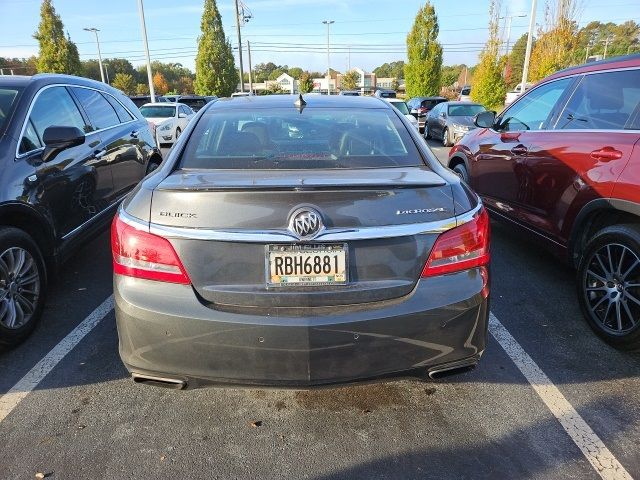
x: 292, y: 241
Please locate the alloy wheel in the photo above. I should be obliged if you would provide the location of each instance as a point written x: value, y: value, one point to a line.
x: 611, y: 287
x: 19, y: 287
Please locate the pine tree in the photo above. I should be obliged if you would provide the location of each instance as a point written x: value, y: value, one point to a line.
x: 215, y: 68
x: 488, y: 85
x: 58, y: 54
x: 422, y: 72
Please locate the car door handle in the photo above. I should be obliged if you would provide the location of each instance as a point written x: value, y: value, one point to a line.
x: 606, y: 154
x: 519, y: 150
x: 98, y: 154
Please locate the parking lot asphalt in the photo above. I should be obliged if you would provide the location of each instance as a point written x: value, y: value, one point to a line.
x: 87, y: 419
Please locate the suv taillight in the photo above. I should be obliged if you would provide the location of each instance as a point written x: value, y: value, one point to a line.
x: 141, y: 254
x: 460, y: 248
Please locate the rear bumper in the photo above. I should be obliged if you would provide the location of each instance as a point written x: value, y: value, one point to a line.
x: 166, y: 331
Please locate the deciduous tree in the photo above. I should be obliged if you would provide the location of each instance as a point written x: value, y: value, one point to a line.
x: 350, y: 80
x: 305, y: 83
x: 215, y: 68
x: 488, y: 83
x: 58, y: 54
x: 422, y: 72
x: 160, y: 84
x: 124, y: 82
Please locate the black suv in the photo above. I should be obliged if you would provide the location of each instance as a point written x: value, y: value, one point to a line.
x: 70, y: 149
x: 419, y: 107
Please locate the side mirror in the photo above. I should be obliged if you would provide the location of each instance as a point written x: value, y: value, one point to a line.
x: 56, y: 139
x: 182, y: 115
x: 443, y: 114
x: 486, y: 119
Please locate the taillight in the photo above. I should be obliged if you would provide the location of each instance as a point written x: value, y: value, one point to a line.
x: 141, y: 254
x: 460, y: 248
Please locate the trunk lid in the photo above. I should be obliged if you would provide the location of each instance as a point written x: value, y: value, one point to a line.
x: 221, y: 222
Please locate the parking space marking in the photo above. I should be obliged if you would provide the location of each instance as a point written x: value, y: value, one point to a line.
x: 33, y: 377
x: 582, y: 435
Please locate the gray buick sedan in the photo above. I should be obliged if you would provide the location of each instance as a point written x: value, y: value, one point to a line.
x: 294, y: 242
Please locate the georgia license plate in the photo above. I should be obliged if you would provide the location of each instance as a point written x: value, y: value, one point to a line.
x: 306, y: 264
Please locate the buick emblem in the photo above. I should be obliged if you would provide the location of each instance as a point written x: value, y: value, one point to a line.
x: 305, y: 223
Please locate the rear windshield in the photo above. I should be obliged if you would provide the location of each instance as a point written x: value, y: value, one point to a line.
x: 7, y: 99
x: 280, y: 138
x: 195, y: 103
x: 465, y: 110
x: 158, y: 112
x: 401, y: 106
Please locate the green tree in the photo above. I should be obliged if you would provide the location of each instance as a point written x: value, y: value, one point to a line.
x: 305, y: 83
x: 215, y: 68
x: 395, y: 84
x: 516, y: 62
x: 350, y: 80
x: 422, y: 72
x: 58, y: 54
x: 124, y: 82
x: 276, y: 73
x: 556, y: 44
x: 142, y: 89
x: 488, y: 85
x: 393, y: 69
x: 295, y: 72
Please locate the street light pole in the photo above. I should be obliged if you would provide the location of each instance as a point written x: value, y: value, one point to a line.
x: 509, y: 18
x: 328, y: 23
x: 239, y: 46
x: 527, y: 56
x: 95, y: 30
x: 152, y: 92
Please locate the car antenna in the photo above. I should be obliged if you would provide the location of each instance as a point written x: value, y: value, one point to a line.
x: 300, y: 103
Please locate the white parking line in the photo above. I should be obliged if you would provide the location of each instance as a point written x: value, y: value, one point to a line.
x: 26, y: 384
x: 587, y: 441
x: 583, y: 436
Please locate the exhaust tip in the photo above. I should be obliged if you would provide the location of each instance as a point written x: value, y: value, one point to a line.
x: 164, y: 382
x: 437, y: 373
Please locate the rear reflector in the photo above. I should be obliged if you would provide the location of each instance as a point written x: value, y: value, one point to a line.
x: 141, y: 254
x: 460, y: 248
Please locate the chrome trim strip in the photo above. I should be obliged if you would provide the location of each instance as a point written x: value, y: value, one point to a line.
x: 46, y: 87
x: 284, y: 236
x: 94, y: 218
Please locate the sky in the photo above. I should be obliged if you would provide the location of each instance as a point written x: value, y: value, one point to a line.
x: 286, y: 32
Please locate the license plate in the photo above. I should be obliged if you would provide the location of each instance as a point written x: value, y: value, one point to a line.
x: 306, y: 265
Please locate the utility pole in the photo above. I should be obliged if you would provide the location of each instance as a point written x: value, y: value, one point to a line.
x: 250, y: 76
x: 152, y: 91
x: 95, y: 30
x: 508, y: 19
x: 328, y: 23
x: 527, y: 56
x: 239, y: 46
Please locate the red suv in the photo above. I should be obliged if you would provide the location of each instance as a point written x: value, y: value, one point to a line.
x: 563, y: 162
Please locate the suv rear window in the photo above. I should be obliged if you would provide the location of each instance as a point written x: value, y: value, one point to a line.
x: 282, y: 138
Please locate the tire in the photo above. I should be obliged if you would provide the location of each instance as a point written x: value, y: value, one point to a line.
x: 446, y: 142
x: 608, y: 284
x: 461, y: 170
x: 178, y: 132
x: 21, y: 300
x: 427, y: 134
